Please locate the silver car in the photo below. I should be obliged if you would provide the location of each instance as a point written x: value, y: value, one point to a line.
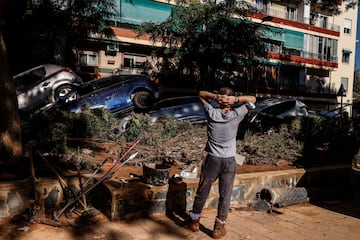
x: 279, y: 108
x: 44, y: 84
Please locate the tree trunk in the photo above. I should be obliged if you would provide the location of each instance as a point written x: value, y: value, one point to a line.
x: 10, y: 128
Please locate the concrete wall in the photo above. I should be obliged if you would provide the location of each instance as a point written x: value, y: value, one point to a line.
x: 128, y: 199
x: 120, y: 200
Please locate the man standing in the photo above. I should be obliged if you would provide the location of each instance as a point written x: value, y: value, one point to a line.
x: 220, y: 161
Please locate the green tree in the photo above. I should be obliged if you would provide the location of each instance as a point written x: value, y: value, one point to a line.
x: 205, y: 38
x: 49, y: 30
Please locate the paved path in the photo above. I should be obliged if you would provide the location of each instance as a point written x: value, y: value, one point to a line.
x: 332, y: 220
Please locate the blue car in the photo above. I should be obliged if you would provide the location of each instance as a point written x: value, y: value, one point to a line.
x: 117, y: 94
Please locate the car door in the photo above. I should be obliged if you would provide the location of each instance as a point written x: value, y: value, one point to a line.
x: 32, y: 89
x: 117, y: 98
x: 111, y: 98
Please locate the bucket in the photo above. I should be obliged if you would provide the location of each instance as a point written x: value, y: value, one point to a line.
x: 156, y: 174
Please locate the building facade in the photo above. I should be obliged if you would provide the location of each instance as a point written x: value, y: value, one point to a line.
x: 311, y: 53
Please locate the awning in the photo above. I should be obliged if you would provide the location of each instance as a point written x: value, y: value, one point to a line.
x: 293, y: 39
x: 347, y: 51
x: 139, y: 11
x: 273, y: 33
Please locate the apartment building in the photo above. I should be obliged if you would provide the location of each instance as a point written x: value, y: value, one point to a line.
x: 311, y: 54
x: 314, y: 52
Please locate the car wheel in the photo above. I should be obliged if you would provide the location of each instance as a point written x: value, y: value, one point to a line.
x: 62, y: 91
x: 143, y: 100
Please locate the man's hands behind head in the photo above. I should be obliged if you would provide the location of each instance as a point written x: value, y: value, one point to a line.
x: 226, y: 100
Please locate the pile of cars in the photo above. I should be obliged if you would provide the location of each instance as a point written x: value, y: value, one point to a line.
x: 189, y: 108
x: 55, y: 87
x: 52, y: 86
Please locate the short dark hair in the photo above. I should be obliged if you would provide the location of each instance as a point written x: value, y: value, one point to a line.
x: 226, y: 91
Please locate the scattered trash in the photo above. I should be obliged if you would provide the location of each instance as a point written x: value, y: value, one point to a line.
x: 190, y: 172
x: 240, y: 159
x: 25, y: 228
x: 280, y: 197
x: 99, y: 236
x: 262, y: 206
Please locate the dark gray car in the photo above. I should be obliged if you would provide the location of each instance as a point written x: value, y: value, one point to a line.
x: 180, y: 108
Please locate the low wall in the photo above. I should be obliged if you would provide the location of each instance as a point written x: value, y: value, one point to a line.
x: 135, y: 198
x: 121, y: 199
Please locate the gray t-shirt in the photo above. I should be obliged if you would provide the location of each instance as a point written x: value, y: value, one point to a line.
x: 222, y: 130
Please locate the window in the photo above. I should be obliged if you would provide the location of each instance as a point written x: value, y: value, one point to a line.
x: 291, y: 13
x: 30, y: 79
x: 347, y: 26
x: 262, y: 5
x: 279, y: 108
x: 346, y: 57
x: 89, y: 59
x: 134, y: 61
x: 344, y: 83
x: 111, y: 50
x: 320, y: 48
x: 323, y: 21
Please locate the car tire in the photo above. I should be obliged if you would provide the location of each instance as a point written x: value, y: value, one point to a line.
x: 62, y: 91
x: 143, y: 100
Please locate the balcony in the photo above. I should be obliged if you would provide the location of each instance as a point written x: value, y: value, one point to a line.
x: 277, y: 49
x: 292, y: 15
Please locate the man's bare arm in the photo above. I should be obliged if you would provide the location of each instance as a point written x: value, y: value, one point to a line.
x: 205, y: 95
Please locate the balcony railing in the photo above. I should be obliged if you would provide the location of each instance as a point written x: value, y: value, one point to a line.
x: 293, y: 16
x: 273, y: 48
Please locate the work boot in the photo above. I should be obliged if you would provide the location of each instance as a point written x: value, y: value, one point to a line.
x: 193, y: 225
x: 219, y: 230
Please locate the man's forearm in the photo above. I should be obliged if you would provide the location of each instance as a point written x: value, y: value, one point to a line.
x: 205, y: 95
x: 245, y: 99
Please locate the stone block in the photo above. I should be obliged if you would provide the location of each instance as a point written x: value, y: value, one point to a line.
x: 124, y: 200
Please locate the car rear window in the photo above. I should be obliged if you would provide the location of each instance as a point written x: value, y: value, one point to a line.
x: 279, y: 108
x: 29, y: 79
